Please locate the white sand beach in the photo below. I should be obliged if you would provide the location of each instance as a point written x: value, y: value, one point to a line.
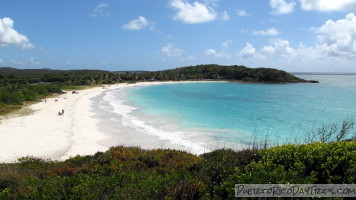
x: 45, y: 134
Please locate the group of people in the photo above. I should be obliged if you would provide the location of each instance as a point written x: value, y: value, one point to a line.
x: 56, y: 100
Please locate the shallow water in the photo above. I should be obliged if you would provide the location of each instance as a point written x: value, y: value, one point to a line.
x: 197, y: 114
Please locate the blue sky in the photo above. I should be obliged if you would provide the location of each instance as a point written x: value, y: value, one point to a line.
x: 293, y: 35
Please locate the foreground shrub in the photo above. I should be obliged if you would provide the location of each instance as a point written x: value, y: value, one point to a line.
x: 133, y: 173
x: 316, y: 163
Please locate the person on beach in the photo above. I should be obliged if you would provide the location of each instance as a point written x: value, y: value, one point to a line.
x: 61, y: 112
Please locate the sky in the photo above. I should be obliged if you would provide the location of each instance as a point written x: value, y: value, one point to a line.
x: 292, y: 35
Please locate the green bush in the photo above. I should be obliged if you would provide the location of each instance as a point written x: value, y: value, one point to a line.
x: 13, y: 98
x: 53, y: 88
x: 40, y: 89
x: 316, y: 163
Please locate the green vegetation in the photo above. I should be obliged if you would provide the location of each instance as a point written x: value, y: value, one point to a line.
x: 132, y: 173
x: 218, y: 72
x: 19, y: 86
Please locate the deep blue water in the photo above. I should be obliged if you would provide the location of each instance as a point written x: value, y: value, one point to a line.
x: 281, y: 111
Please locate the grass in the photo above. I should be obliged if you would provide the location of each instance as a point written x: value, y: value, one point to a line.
x: 84, y: 87
x: 6, y: 109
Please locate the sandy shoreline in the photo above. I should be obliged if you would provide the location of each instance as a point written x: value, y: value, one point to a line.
x: 44, y: 134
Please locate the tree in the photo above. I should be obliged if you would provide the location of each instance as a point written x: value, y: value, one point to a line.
x: 332, y: 132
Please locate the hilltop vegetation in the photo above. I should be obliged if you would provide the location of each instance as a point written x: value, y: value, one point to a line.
x: 133, y: 173
x: 65, y: 77
x: 234, y: 72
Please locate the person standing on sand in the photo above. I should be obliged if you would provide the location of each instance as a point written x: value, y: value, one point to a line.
x: 61, y: 113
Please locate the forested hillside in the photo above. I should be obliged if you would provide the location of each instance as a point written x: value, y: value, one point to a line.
x: 219, y: 72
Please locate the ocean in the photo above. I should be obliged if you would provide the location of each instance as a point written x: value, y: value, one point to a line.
x: 205, y: 116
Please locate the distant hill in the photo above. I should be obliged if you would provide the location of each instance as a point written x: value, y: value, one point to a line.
x: 40, y: 71
x: 233, y: 72
x: 8, y: 69
x: 25, y: 71
x: 131, y: 72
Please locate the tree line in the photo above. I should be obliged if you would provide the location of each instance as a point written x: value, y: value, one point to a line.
x: 220, y: 72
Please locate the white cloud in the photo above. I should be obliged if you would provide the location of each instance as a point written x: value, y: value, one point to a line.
x: 225, y: 16
x: 210, y: 52
x: 193, y: 13
x: 338, y: 38
x: 9, y: 36
x: 335, y: 48
x: 214, y: 53
x: 223, y: 53
x: 242, y: 13
x: 100, y: 10
x: 281, y: 6
x: 327, y: 5
x: 271, y: 31
x: 268, y: 49
x: 279, y: 47
x: 1, y: 60
x: 27, y: 62
x: 138, y: 24
x: 248, y: 51
x: 171, y: 51
x: 335, y: 39
x: 34, y: 61
x: 213, y: 3
x: 189, y: 57
x: 226, y: 44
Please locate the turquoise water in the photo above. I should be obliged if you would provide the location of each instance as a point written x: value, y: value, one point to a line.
x: 282, y: 112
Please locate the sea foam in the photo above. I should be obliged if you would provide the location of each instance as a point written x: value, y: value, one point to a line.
x: 118, y: 99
